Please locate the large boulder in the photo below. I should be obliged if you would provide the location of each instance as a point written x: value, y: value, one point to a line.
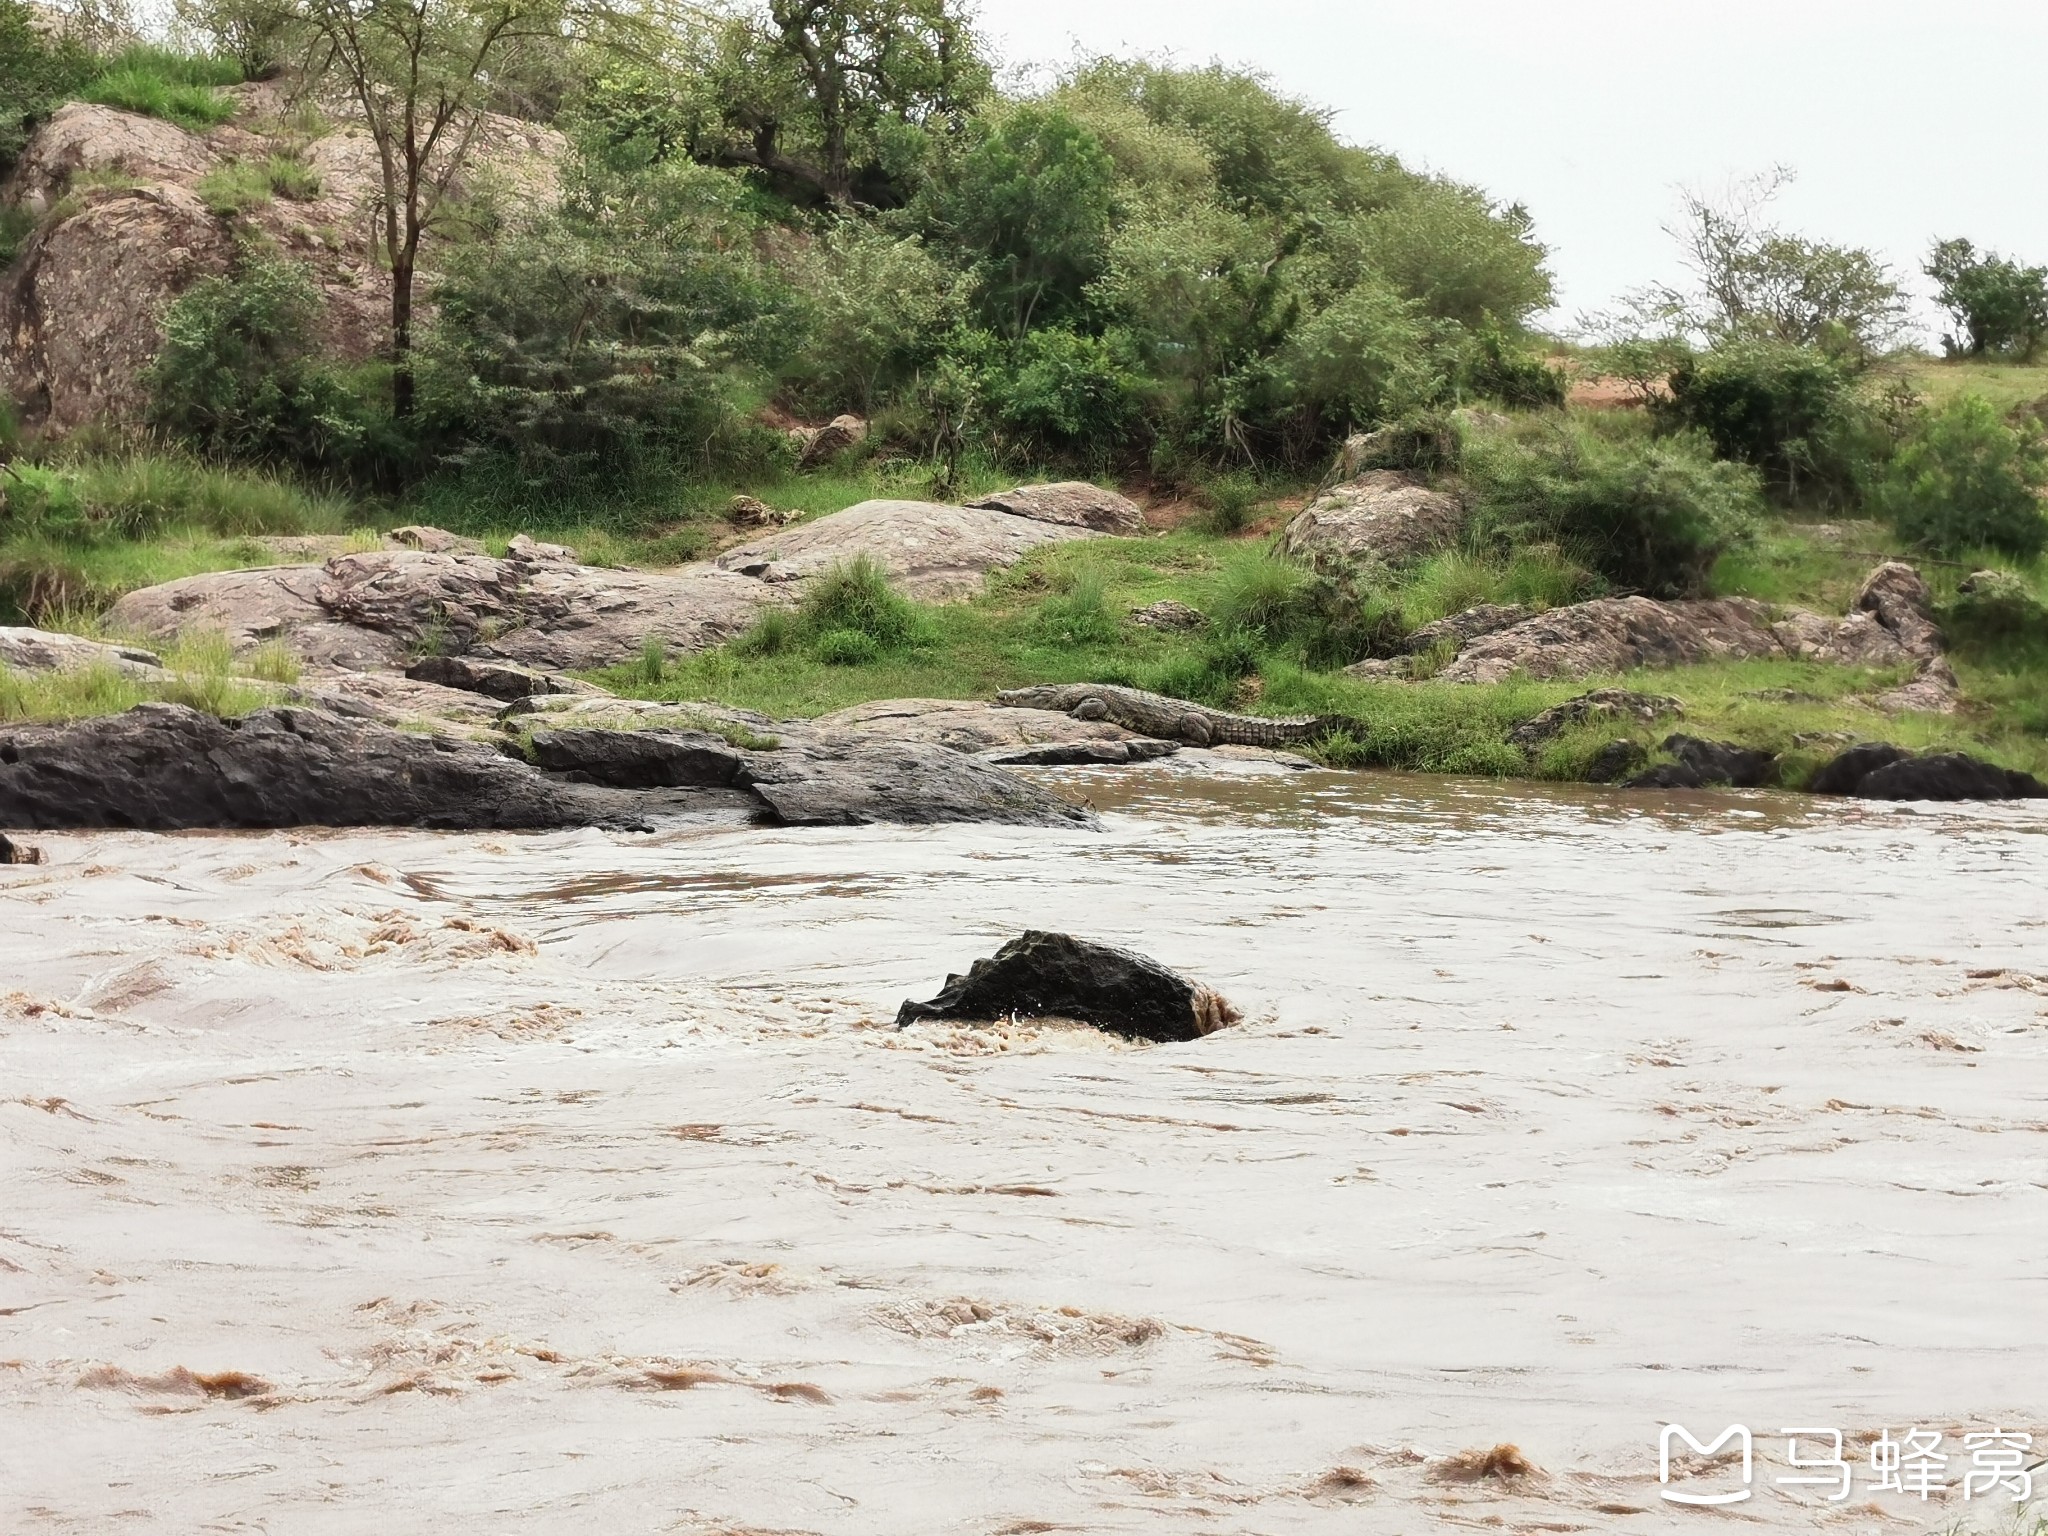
x: 81, y: 312
x: 1383, y: 516
x: 1700, y: 764
x: 253, y: 607
x: 855, y: 782
x: 533, y: 608
x: 1074, y: 502
x: 80, y: 136
x: 163, y: 766
x: 1842, y: 773
x: 1041, y: 975
x: 931, y: 551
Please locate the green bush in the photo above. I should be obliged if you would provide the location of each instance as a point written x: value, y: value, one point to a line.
x: 1966, y: 480
x: 159, y: 83
x: 857, y: 597
x: 1790, y: 411
x: 1993, y: 607
x: 1648, y: 514
x: 1498, y: 366
x: 239, y: 373
x: 1061, y: 392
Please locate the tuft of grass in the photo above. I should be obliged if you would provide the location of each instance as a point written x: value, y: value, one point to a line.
x: 156, y: 82
x: 1080, y: 613
x: 242, y: 186
x: 200, y: 671
x: 653, y: 663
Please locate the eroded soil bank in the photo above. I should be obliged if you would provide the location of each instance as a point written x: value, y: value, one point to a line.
x: 576, y: 1181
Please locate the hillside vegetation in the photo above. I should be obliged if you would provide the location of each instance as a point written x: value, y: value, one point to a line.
x: 1173, y: 278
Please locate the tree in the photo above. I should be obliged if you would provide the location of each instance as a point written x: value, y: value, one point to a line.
x: 1755, y: 281
x: 1032, y: 201
x: 821, y: 94
x: 421, y: 73
x: 2000, y: 307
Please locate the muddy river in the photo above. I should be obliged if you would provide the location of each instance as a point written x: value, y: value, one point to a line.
x: 393, y: 1182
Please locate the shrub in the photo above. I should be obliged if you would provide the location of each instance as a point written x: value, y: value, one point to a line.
x: 1228, y: 502
x: 1788, y: 410
x: 1996, y: 606
x: 1648, y: 514
x: 1966, y: 480
x: 852, y: 612
x: 1501, y: 367
x: 1320, y: 616
x: 1066, y: 393
x: 238, y: 373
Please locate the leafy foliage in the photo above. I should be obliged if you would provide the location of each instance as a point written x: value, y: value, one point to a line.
x: 1648, y: 514
x: 36, y: 73
x: 1789, y: 410
x: 239, y: 373
x: 1965, y: 480
x: 2000, y: 307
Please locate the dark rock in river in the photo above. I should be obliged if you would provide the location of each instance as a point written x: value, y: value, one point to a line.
x: 1707, y: 764
x: 853, y: 783
x: 1617, y: 758
x: 1055, y: 975
x: 1841, y: 774
x: 1948, y: 776
x: 163, y: 766
x: 12, y: 852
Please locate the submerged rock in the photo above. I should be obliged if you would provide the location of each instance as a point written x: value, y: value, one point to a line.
x: 1382, y: 516
x: 1947, y: 776
x: 12, y: 852
x: 1617, y: 758
x: 1039, y: 975
x: 163, y: 767
x: 1076, y: 503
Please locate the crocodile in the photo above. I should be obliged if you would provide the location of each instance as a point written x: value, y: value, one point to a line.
x: 1155, y: 715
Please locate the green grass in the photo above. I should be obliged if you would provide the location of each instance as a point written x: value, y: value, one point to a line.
x: 2005, y: 385
x: 241, y: 186
x: 157, y: 82
x: 200, y: 671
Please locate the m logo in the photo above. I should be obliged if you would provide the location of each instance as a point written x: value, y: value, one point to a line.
x: 1735, y: 1432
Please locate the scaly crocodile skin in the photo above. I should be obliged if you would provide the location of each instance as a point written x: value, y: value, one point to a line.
x: 1153, y: 714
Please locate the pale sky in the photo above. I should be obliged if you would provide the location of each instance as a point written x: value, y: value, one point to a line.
x: 1904, y: 119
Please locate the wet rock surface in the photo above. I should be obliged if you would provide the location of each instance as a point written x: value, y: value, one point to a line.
x: 1841, y: 774
x: 1076, y: 503
x: 828, y: 782
x: 1947, y: 776
x: 1381, y: 516
x: 12, y: 852
x: 163, y: 767
x: 1081, y: 754
x: 1040, y: 975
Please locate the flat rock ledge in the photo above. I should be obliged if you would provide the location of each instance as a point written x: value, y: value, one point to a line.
x: 163, y: 767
